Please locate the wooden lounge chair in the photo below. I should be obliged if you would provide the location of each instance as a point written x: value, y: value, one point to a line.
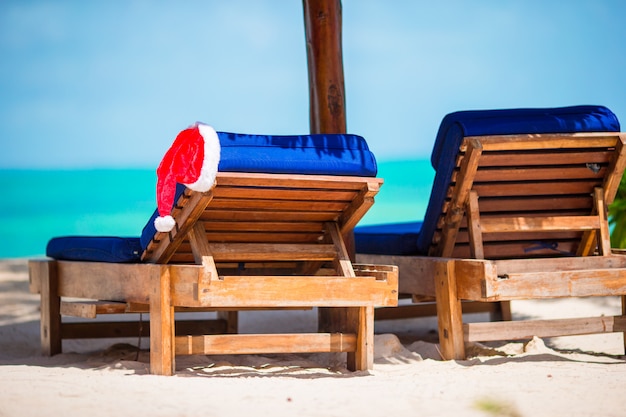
x: 518, y: 211
x: 256, y: 240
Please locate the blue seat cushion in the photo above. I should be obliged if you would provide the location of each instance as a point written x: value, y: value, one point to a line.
x: 453, y: 129
x: 388, y: 239
x: 323, y: 154
x: 95, y: 248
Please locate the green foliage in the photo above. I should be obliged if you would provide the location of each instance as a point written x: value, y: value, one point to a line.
x: 617, y: 217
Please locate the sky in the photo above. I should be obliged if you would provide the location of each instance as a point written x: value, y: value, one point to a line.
x: 109, y: 84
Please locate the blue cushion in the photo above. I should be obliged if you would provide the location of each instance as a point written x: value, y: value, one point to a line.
x: 323, y: 154
x: 456, y: 126
x: 388, y: 239
x: 95, y: 248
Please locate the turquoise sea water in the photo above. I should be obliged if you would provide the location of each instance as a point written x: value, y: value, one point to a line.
x: 37, y: 205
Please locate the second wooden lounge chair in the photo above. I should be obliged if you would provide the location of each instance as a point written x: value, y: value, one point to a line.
x: 518, y: 211
x: 272, y: 238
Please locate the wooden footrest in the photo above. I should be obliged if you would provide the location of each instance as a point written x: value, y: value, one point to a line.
x: 527, y: 329
x: 265, y: 343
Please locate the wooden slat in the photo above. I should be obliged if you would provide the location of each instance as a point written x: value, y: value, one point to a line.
x: 276, y: 226
x: 261, y: 252
x: 527, y: 329
x: 560, y: 264
x: 250, y: 237
x: 565, y: 203
x: 545, y: 141
x: 547, y: 157
x: 540, y: 285
x: 294, y: 180
x: 521, y: 249
x: 537, y: 174
x: 581, y: 205
x: 269, y: 291
x: 535, y: 188
x: 277, y: 205
x: 241, y: 252
x: 533, y: 224
x: 235, y: 215
x: 504, y: 237
x: 521, y: 213
x: 265, y: 343
x: 258, y: 193
x: 124, y: 282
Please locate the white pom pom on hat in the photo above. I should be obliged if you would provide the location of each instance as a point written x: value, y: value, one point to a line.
x: 192, y: 160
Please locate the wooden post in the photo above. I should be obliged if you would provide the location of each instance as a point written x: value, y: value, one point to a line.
x: 327, y: 102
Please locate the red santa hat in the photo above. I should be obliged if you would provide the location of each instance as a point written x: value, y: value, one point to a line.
x: 192, y: 160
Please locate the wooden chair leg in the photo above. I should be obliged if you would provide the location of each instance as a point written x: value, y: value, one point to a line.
x: 232, y: 320
x: 162, y: 360
x: 502, y: 312
x: 449, y: 313
x: 361, y: 322
x: 50, y: 325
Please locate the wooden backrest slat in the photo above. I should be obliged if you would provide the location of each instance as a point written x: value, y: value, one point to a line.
x: 278, y: 193
x: 558, y: 157
x: 528, y: 173
x: 273, y: 205
x: 275, y: 226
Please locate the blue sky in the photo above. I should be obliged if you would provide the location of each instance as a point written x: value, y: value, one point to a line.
x: 87, y: 84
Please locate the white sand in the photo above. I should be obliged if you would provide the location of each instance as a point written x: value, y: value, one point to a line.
x: 575, y: 376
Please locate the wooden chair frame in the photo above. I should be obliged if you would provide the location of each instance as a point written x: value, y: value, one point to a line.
x: 462, y: 267
x: 255, y: 241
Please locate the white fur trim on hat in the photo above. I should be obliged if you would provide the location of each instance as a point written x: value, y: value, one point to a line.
x: 211, y: 160
x: 164, y: 224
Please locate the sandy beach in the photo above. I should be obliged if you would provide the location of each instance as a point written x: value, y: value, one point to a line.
x: 574, y: 376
